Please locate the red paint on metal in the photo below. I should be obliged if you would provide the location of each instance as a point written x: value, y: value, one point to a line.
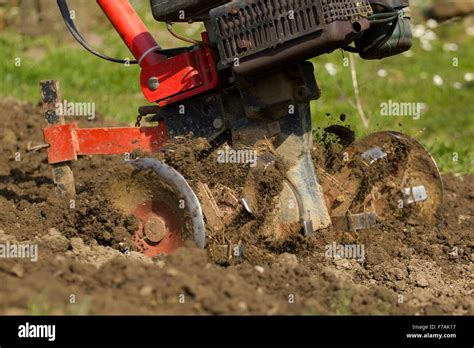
x: 181, y: 77
x: 173, y: 237
x: 132, y: 30
x: 68, y: 141
x: 98, y: 141
x: 176, y: 75
x: 61, y: 143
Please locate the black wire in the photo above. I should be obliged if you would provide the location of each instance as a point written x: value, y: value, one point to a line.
x: 63, y: 7
x: 374, y: 19
x: 377, y: 44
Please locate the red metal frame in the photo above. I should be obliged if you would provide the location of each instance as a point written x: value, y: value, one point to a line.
x: 133, y: 31
x: 68, y: 141
x: 180, y: 77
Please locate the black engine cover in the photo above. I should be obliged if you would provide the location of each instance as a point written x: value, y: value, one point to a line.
x: 259, y: 35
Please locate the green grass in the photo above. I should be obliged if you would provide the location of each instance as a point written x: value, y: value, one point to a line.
x: 40, y: 305
x: 114, y: 88
x: 445, y: 128
x: 341, y: 302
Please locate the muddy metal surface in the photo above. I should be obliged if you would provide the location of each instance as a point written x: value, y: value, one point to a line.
x: 409, y: 267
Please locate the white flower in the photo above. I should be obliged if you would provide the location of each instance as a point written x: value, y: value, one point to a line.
x: 429, y: 35
x: 438, y: 80
x: 450, y: 47
x: 418, y: 30
x: 457, y: 85
x: 331, y: 69
x: 426, y: 36
x: 426, y: 45
x: 382, y: 73
x: 469, y: 77
x: 432, y: 24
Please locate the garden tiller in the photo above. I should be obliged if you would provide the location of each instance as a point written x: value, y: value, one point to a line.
x: 248, y: 80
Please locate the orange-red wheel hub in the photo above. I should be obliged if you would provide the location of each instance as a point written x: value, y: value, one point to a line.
x: 159, y: 229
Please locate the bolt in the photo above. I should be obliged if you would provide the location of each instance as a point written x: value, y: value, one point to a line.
x: 153, y: 83
x: 155, y: 230
x: 302, y: 93
x: 218, y: 123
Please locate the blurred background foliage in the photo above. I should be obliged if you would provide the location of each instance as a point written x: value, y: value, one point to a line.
x: 33, y: 31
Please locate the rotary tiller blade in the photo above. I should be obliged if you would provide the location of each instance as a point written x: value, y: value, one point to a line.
x: 166, y: 208
x: 388, y: 174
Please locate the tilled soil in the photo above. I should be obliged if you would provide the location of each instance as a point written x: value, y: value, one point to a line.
x: 83, y: 266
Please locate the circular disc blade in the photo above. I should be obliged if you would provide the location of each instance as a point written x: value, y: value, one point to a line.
x: 161, y: 222
x: 386, y: 172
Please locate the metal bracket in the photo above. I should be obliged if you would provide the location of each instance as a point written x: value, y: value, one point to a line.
x: 67, y: 141
x: 414, y: 194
